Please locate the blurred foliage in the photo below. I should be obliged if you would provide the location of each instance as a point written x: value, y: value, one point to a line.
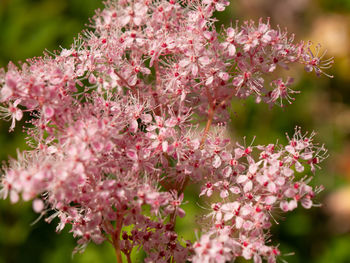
x: 336, y: 5
x: 28, y: 27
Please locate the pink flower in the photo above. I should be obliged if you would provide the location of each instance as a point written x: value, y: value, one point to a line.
x: 116, y: 135
x: 12, y: 113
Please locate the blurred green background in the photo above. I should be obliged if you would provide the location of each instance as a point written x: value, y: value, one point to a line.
x: 28, y: 27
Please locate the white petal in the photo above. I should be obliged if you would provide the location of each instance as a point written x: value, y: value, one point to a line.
x: 248, y: 186
x: 165, y: 146
x: 298, y: 167
x: 242, y: 179
x: 269, y: 200
x: 227, y: 171
x: 216, y: 162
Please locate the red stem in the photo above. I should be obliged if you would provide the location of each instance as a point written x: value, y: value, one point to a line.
x: 116, y: 239
x: 211, y: 112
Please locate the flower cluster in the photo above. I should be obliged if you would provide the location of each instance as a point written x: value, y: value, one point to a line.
x: 249, y: 191
x: 115, y: 141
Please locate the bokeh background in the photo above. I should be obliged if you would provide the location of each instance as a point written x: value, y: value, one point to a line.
x: 322, y: 234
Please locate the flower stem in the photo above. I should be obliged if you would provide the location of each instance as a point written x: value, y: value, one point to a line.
x: 124, y: 80
x: 158, y: 109
x: 211, y: 112
x: 128, y: 258
x: 116, y: 239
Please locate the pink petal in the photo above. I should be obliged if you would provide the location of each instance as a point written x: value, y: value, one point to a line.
x: 132, y: 154
x: 38, y: 205
x: 134, y: 126
x: 48, y: 112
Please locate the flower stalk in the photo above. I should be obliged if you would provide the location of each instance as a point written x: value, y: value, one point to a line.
x: 116, y: 239
x: 114, y: 131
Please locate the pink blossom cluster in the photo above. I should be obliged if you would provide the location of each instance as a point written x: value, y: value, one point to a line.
x: 250, y: 190
x: 115, y: 137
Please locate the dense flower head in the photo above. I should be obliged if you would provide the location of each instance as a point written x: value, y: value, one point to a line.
x: 115, y: 141
x: 250, y: 184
